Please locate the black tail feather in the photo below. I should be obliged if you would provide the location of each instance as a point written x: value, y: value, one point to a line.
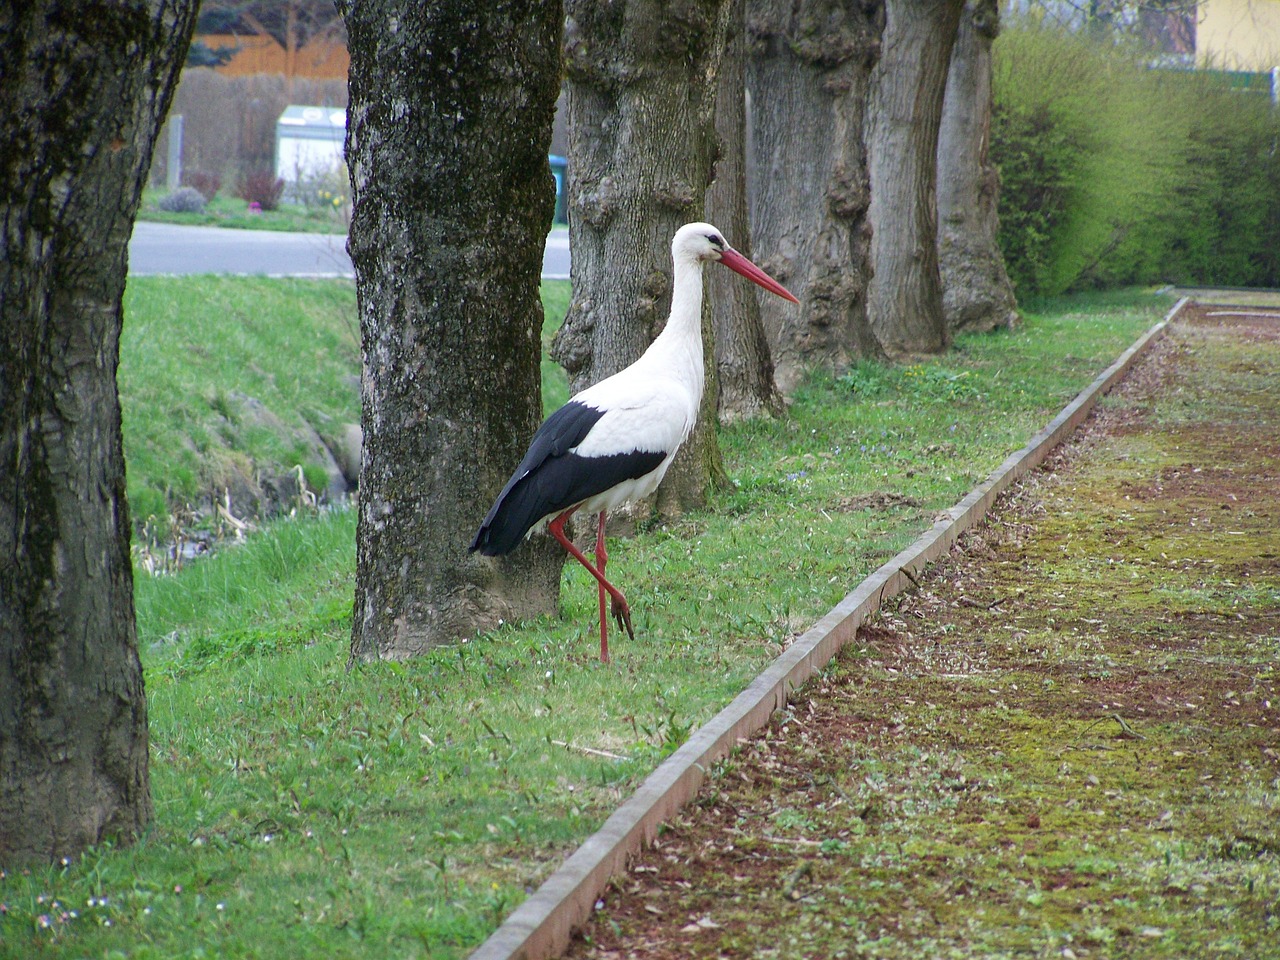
x: 557, y: 484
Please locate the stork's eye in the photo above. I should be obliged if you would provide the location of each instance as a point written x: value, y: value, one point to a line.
x: 716, y: 240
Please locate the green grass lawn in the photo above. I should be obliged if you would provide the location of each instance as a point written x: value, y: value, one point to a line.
x: 403, y: 809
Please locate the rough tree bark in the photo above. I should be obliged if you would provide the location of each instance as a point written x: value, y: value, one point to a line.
x: 808, y: 73
x: 905, y: 110
x: 83, y: 90
x: 641, y: 81
x: 744, y: 364
x: 450, y: 122
x: 976, y: 291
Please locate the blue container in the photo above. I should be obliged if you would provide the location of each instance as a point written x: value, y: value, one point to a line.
x: 558, y: 167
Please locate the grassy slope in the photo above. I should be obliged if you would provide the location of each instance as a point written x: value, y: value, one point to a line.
x: 190, y: 347
x: 403, y: 809
x: 193, y: 348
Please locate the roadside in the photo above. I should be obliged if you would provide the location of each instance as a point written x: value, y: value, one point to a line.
x: 1065, y: 743
x: 327, y: 213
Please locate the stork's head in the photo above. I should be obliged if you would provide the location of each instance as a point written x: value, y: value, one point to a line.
x: 700, y: 242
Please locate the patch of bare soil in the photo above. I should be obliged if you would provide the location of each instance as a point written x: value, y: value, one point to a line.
x: 875, y: 501
x: 1065, y: 743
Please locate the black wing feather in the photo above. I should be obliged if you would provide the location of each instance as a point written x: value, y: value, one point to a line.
x: 550, y: 479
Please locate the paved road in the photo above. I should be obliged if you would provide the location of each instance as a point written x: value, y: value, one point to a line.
x: 162, y: 248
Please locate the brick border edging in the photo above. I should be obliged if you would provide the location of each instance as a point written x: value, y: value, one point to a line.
x: 541, y: 927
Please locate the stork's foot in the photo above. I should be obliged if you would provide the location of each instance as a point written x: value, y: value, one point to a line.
x: 621, y: 613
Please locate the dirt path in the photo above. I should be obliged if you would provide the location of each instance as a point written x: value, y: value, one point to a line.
x: 1066, y: 743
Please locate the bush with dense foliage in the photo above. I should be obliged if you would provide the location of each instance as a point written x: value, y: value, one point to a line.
x: 262, y: 187
x: 1222, y: 225
x: 1116, y: 172
x: 182, y: 200
x: 206, y: 181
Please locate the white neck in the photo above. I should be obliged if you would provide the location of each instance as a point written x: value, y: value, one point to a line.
x: 679, y: 346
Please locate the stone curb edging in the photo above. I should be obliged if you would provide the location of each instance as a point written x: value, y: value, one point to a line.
x: 541, y: 927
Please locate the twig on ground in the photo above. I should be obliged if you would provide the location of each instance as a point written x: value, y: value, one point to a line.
x: 591, y: 750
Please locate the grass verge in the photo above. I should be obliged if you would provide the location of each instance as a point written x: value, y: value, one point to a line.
x: 233, y: 212
x: 404, y: 809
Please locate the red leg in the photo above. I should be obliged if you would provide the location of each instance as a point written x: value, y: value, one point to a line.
x: 621, y: 611
x: 602, y: 558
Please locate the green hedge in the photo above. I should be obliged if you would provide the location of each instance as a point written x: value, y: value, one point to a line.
x: 1117, y: 173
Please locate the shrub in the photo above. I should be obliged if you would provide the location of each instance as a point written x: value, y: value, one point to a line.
x: 1221, y: 224
x: 182, y: 200
x: 1088, y: 148
x: 207, y: 182
x: 328, y: 190
x: 262, y: 187
x: 1036, y: 157
x: 1113, y: 172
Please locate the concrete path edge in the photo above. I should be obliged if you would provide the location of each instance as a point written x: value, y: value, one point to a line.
x: 542, y: 926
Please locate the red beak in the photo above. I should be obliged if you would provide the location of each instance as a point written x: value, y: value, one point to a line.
x: 740, y: 264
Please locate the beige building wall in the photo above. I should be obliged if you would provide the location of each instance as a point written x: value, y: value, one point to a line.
x: 1238, y: 34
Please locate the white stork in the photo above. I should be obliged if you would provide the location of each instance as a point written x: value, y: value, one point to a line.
x: 613, y: 442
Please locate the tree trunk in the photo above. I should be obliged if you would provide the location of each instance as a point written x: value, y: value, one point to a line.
x: 744, y: 363
x: 905, y: 298
x: 808, y: 75
x: 976, y: 292
x: 453, y: 200
x: 83, y: 90
x: 641, y: 128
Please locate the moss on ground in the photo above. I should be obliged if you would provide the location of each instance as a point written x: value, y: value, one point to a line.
x: 1066, y: 743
